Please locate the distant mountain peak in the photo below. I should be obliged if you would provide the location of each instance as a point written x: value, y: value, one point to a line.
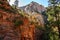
x: 33, y: 7
x: 34, y: 3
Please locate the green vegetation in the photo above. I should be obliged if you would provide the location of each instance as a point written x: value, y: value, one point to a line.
x: 18, y: 22
x: 52, y: 28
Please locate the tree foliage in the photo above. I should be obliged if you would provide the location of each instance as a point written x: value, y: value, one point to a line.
x: 16, y: 3
x: 52, y: 31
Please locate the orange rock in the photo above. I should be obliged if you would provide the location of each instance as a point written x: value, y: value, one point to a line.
x: 8, y: 30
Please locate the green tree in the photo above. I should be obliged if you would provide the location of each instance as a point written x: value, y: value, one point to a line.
x: 53, y: 12
x: 16, y: 3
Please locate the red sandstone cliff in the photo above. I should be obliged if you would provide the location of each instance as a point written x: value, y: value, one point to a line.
x: 12, y: 25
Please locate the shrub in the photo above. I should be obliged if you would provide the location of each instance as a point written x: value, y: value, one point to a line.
x: 18, y: 22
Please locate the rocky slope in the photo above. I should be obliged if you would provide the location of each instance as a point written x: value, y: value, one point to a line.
x: 35, y: 12
x: 14, y: 26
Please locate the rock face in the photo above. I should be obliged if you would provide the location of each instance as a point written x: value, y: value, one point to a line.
x: 12, y: 25
x: 36, y: 13
x: 34, y: 10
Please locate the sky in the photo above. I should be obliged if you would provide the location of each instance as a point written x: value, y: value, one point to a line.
x: 25, y: 2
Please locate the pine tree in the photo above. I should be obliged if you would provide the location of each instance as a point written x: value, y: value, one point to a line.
x: 16, y: 3
x: 53, y: 14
